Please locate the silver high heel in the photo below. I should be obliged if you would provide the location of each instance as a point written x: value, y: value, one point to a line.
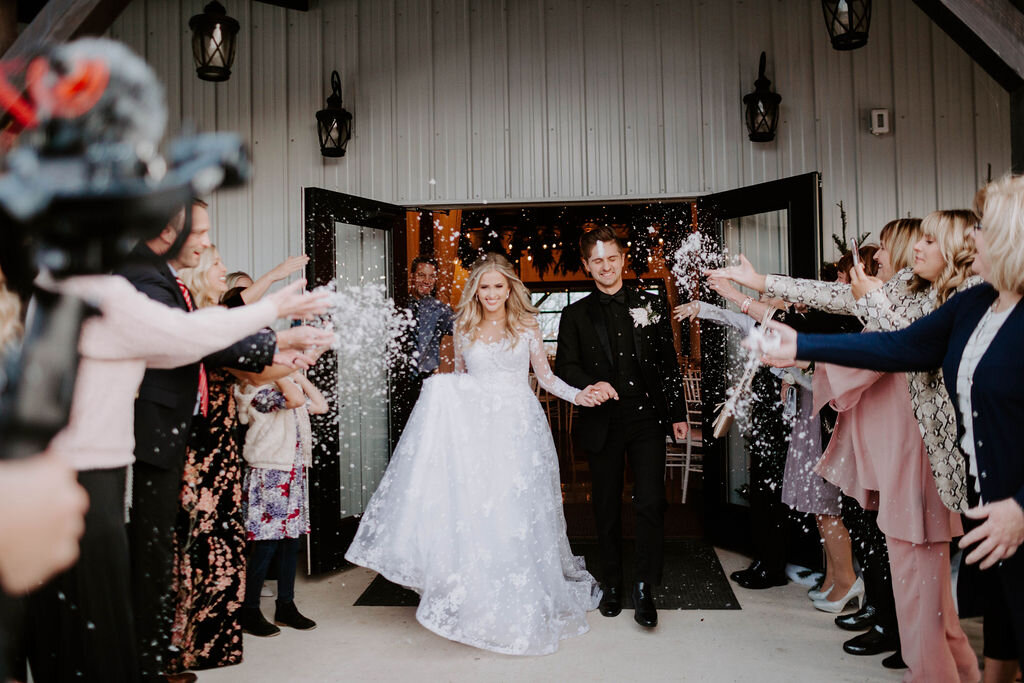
x: 815, y: 594
x: 856, y: 593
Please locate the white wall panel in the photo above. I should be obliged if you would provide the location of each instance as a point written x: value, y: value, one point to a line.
x: 573, y: 99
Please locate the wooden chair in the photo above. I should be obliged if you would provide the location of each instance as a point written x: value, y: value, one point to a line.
x: 693, y: 455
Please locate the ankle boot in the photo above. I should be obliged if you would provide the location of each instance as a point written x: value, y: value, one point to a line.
x: 254, y: 623
x: 287, y: 614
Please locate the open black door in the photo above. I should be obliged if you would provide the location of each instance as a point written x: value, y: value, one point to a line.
x: 353, y: 240
x: 777, y: 225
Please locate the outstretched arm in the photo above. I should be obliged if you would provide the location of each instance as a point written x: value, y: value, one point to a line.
x: 317, y: 402
x: 257, y: 289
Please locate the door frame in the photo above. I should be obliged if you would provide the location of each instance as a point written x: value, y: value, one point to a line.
x: 728, y: 524
x: 330, y: 533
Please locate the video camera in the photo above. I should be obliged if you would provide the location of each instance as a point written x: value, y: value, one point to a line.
x: 83, y: 186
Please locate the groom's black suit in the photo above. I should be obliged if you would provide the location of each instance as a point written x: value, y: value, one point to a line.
x: 599, y: 341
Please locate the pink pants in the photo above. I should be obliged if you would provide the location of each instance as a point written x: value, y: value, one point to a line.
x: 935, y: 648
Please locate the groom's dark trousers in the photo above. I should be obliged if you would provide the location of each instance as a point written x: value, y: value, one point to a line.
x: 635, y: 433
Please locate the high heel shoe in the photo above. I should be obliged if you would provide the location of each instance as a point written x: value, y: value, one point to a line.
x: 819, y: 593
x: 856, y: 593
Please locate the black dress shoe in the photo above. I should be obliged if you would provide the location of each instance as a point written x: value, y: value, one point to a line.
x: 894, y: 661
x: 861, y: 620
x: 645, y: 613
x: 754, y: 567
x: 876, y: 641
x: 757, y: 577
x: 611, y: 601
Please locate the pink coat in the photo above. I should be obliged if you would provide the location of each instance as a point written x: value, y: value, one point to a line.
x: 877, y: 454
x: 134, y: 332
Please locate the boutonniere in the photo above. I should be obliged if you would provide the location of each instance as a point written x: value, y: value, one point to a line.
x: 644, y: 315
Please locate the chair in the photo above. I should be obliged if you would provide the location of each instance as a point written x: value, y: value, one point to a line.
x: 691, y: 459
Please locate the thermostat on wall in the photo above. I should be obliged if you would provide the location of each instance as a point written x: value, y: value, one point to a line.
x: 879, y: 121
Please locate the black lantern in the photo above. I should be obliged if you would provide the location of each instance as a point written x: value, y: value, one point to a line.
x: 213, y: 42
x: 762, y: 108
x: 334, y: 124
x: 847, y: 22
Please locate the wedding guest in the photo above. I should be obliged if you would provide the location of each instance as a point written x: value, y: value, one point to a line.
x: 906, y: 475
x: 278, y: 449
x: 81, y: 622
x: 210, y: 535
x: 167, y: 401
x: 434, y: 320
x: 975, y: 338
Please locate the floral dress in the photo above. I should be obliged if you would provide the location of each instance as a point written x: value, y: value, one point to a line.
x: 277, y: 502
x: 209, y: 566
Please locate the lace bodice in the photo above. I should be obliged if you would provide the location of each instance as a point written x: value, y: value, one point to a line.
x: 505, y: 364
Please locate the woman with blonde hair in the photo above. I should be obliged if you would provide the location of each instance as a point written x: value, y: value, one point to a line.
x: 895, y: 446
x: 469, y: 512
x: 975, y: 339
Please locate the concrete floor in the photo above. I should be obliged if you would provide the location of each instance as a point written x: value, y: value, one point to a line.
x: 777, y: 636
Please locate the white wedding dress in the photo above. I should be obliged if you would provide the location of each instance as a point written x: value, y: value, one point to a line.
x: 469, y: 512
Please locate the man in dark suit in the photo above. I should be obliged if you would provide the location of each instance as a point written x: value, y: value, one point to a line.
x: 619, y: 340
x: 166, y: 402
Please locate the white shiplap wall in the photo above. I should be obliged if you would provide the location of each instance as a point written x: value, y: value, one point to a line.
x: 460, y: 101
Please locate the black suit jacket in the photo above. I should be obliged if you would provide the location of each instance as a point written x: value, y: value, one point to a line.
x: 167, y: 398
x: 585, y: 357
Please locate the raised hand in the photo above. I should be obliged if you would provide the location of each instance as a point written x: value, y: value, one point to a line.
x: 784, y: 352
x: 861, y: 282
x: 295, y: 303
x: 304, y: 337
x: 743, y: 274
x: 687, y: 311
x: 287, y: 267
x: 724, y: 288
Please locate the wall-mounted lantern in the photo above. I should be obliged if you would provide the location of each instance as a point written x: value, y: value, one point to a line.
x: 762, y: 108
x: 847, y: 22
x: 334, y: 124
x: 213, y: 42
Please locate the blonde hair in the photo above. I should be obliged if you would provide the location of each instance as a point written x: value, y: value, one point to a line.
x: 234, y: 278
x: 519, y: 312
x: 952, y: 231
x: 195, y: 279
x: 898, y: 237
x: 1002, y: 209
x: 10, y: 315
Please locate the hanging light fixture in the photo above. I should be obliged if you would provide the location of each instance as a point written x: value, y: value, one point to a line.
x: 334, y: 124
x: 762, y: 108
x: 213, y: 42
x: 847, y: 22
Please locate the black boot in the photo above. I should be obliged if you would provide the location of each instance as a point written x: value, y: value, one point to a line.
x: 879, y: 639
x: 861, y: 620
x: 254, y: 623
x: 287, y: 614
x: 643, y: 603
x: 611, y: 601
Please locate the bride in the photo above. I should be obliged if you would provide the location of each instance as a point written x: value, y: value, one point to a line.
x: 469, y: 512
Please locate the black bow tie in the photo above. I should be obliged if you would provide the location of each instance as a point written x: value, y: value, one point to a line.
x: 619, y: 297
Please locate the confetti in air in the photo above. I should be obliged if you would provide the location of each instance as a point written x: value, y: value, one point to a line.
x: 369, y: 337
x: 696, y: 254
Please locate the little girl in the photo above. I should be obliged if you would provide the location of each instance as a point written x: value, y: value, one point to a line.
x: 278, y: 449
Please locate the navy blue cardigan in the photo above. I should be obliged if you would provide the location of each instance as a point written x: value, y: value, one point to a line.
x: 938, y: 340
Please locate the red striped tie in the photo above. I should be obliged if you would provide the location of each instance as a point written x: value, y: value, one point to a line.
x: 204, y: 390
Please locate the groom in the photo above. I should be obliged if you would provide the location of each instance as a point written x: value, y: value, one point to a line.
x: 619, y: 339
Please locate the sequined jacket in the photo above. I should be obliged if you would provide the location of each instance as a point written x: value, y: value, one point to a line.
x: 892, y: 307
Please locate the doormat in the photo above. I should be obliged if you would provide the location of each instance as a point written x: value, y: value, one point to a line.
x: 693, y: 579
